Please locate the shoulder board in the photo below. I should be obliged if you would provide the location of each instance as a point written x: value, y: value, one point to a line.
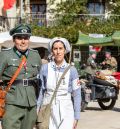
x: 33, y: 50
x: 6, y: 49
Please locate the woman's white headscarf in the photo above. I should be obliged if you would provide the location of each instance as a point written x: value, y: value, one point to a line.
x: 63, y: 40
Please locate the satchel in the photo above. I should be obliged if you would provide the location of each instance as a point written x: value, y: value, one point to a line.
x: 44, y: 117
x: 45, y: 110
x: 2, y: 101
x: 3, y: 91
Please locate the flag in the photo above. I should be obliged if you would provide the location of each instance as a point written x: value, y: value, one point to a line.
x: 97, y: 48
x: 8, y: 4
x: 1, y: 7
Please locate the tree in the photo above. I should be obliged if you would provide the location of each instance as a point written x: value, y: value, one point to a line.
x: 69, y: 23
x: 115, y: 6
x: 66, y: 12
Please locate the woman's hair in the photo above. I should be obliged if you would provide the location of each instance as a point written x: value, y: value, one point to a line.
x: 59, y: 41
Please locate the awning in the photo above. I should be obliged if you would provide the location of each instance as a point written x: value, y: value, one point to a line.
x: 116, y: 38
x: 87, y: 40
x: 35, y: 41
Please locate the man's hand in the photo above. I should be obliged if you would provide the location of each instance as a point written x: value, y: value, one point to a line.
x: 75, y: 124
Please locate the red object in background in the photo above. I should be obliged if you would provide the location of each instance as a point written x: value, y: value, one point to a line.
x: 116, y: 75
x: 8, y: 4
x: 97, y: 48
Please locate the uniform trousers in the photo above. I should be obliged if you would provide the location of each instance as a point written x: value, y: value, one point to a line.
x: 19, y: 117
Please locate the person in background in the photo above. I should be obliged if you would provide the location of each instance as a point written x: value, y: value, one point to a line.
x: 91, y: 66
x: 44, y: 58
x: 110, y: 60
x: 65, y: 113
x: 20, y: 108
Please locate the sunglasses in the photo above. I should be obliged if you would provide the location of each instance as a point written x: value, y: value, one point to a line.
x: 22, y: 37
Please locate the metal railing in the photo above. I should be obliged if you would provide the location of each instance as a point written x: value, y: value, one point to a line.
x: 38, y: 18
x: 6, y: 23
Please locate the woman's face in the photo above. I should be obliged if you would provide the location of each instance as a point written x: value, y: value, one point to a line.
x: 58, y: 51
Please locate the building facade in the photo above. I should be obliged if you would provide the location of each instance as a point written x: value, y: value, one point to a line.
x: 39, y: 10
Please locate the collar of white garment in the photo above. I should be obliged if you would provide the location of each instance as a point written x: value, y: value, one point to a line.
x: 64, y: 64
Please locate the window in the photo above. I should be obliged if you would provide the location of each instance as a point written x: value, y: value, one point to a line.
x: 39, y: 13
x: 96, y: 6
x: 39, y: 8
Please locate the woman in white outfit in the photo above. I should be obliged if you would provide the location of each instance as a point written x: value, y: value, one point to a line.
x: 66, y: 105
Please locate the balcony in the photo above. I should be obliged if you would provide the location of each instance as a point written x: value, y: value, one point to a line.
x: 6, y: 23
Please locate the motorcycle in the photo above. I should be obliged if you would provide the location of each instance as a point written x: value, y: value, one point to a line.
x: 97, y: 89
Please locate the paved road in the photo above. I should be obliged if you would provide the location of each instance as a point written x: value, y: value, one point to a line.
x: 95, y: 118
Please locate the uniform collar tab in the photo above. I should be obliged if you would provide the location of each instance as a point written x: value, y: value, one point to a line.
x: 21, y: 53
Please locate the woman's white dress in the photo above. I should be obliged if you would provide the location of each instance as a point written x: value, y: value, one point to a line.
x: 62, y: 112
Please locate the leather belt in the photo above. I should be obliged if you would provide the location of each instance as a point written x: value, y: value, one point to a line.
x: 21, y: 82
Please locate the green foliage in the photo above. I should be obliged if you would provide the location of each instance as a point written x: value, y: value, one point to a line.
x: 68, y: 32
x: 115, y: 6
x: 69, y: 23
x: 67, y: 11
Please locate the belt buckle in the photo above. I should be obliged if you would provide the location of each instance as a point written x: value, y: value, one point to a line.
x: 25, y: 82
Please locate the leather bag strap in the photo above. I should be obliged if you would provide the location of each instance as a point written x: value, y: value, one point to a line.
x: 58, y: 84
x: 16, y: 73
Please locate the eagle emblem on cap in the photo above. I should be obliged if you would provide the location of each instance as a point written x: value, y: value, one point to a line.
x: 24, y: 31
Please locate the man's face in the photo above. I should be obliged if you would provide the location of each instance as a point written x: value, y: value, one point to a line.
x: 94, y: 56
x: 22, y: 42
x: 107, y: 55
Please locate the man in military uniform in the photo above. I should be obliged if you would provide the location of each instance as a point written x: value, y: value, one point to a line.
x: 21, y: 98
x: 109, y: 60
x: 91, y: 66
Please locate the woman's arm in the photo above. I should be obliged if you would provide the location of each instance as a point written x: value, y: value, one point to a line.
x: 43, y: 78
x: 76, y: 92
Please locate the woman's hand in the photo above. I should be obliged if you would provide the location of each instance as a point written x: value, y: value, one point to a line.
x: 75, y: 124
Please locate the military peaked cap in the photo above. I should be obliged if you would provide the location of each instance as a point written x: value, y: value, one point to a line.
x: 92, y: 52
x: 108, y: 51
x: 21, y: 29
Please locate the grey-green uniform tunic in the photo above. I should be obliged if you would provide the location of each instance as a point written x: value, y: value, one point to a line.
x: 20, y: 100
x: 91, y: 66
